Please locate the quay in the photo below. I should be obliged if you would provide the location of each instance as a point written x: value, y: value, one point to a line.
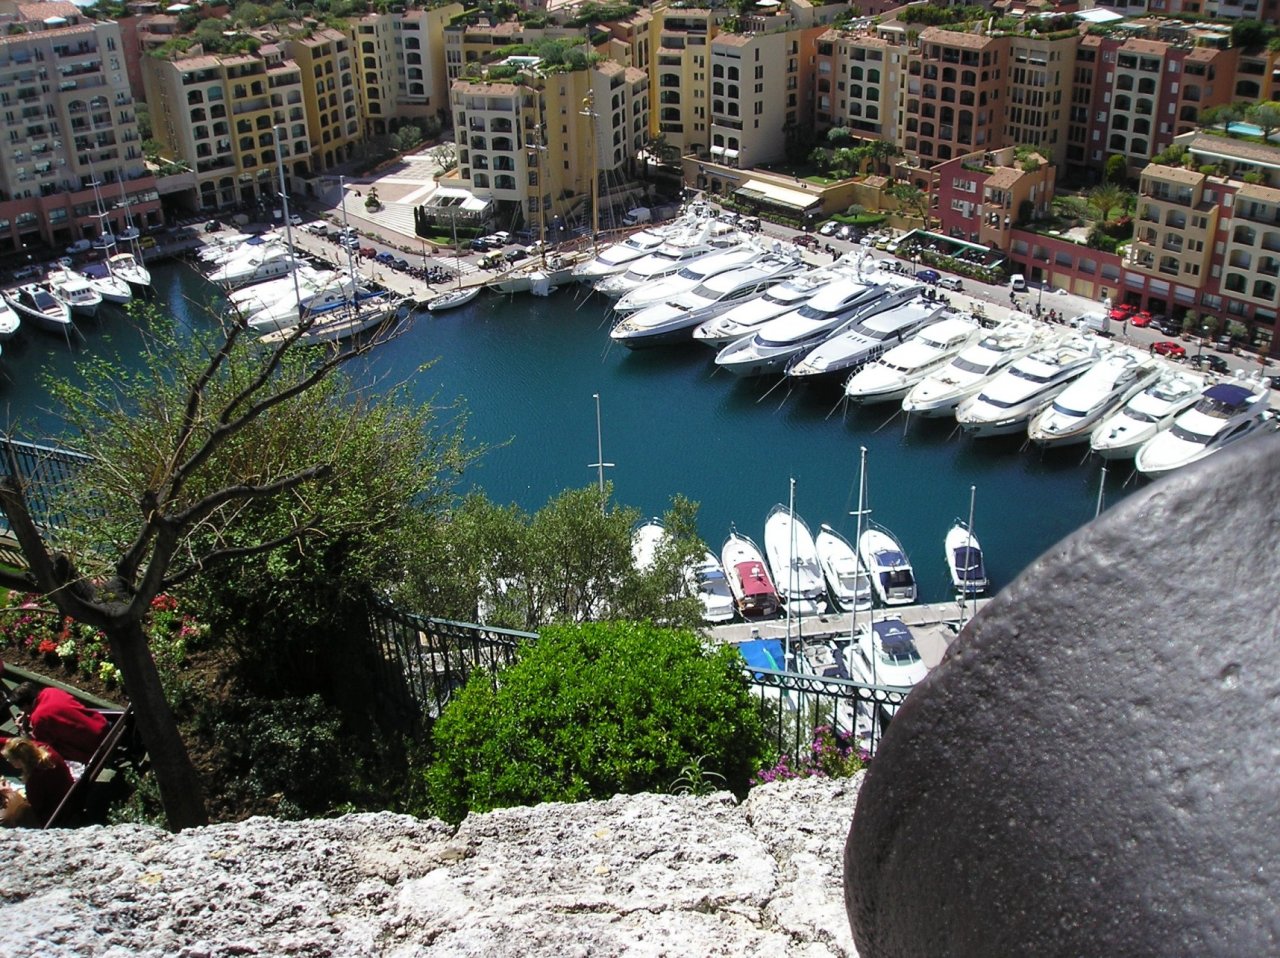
x: 934, y: 626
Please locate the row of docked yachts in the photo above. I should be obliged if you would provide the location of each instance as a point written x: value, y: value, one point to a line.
x: 274, y: 290
x: 65, y: 294
x: 803, y: 574
x: 892, y: 339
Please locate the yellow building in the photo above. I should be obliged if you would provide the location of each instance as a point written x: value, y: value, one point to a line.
x: 1173, y: 230
x: 679, y: 108
x: 1039, y: 93
x: 401, y: 71
x: 329, y: 95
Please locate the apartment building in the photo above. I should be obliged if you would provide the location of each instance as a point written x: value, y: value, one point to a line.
x: 982, y: 196
x: 219, y: 116
x: 857, y: 83
x: 334, y: 119
x: 474, y: 42
x: 680, y: 107
x: 956, y: 95
x: 535, y: 145
x: 69, y: 121
x: 628, y: 40
x: 401, y: 73
x: 1041, y: 70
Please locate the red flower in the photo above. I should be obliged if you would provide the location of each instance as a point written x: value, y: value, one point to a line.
x: 47, y: 646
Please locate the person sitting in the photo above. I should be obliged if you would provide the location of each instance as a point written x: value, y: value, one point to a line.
x: 45, y: 777
x: 57, y: 717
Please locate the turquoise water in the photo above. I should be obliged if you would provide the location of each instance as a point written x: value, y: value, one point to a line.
x: 1249, y: 129
x: 528, y: 368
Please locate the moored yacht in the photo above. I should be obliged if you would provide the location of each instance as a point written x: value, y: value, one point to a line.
x: 269, y: 292
x: 867, y: 340
x: 940, y: 392
x: 964, y: 559
x: 754, y: 593
x: 1120, y: 434
x: 646, y: 540
x: 834, y: 309
x: 708, y: 581
x: 34, y: 302
x: 688, y: 277
x: 75, y: 291
x: 342, y: 321
x: 886, y: 655
x: 898, y: 369
x: 673, y: 255
x: 672, y: 321
x: 128, y: 268
x: 318, y: 297
x: 618, y: 256
x: 9, y: 321
x: 1226, y: 413
x: 255, y: 265
x: 112, y: 288
x: 1007, y: 403
x: 884, y: 558
x: 794, y: 562
x: 1070, y: 418
x: 745, y: 319
x: 847, y: 578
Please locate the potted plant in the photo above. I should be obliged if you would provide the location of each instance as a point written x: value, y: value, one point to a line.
x: 371, y: 202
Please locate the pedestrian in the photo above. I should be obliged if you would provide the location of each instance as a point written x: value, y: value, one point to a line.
x: 1151, y: 349
x: 58, y: 719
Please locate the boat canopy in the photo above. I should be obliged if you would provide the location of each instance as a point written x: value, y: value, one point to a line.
x: 763, y: 653
x: 969, y: 564
x: 755, y: 580
x: 1230, y: 394
x: 890, y: 557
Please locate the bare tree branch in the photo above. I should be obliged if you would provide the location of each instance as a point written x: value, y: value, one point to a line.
x: 210, y: 559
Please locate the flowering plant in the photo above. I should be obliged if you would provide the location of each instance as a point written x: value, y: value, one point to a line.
x: 27, y: 623
x: 831, y: 755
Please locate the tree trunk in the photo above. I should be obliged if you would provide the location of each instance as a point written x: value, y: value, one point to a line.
x: 180, y: 791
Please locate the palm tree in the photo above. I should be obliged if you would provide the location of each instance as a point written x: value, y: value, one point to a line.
x: 1106, y: 198
x: 881, y: 152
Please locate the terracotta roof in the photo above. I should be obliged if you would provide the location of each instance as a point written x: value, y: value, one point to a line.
x: 197, y: 62
x: 1174, y: 174
x: 953, y: 38
x: 1154, y: 47
x: 1257, y: 191
x: 1004, y: 177
x: 1226, y: 146
x: 51, y: 8
x: 730, y: 40
x: 635, y: 74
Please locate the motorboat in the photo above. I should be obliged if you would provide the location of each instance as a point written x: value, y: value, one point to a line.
x: 259, y: 263
x: 789, y: 545
x: 1225, y: 414
x: 673, y: 320
x: 616, y: 257
x: 882, y: 554
x: 746, y: 319
x: 453, y: 298
x: 688, y: 277
x: 940, y: 392
x: 964, y: 560
x: 708, y: 582
x: 251, y: 300
x: 222, y: 247
x: 842, y: 305
x: 112, y: 288
x: 753, y: 590
x: 69, y: 287
x: 847, y: 579
x: 1071, y: 417
x: 818, y: 657
x: 127, y: 267
x: 1150, y: 411
x: 341, y: 322
x: 898, y: 369
x: 886, y: 654
x: 36, y: 303
x: 10, y: 321
x: 336, y: 292
x: 1011, y: 400
x: 646, y: 540
x: 867, y: 340
x: 672, y: 256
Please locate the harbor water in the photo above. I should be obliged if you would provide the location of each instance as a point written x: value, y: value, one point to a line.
x: 527, y: 369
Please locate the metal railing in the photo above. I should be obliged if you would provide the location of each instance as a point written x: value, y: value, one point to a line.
x: 46, y: 472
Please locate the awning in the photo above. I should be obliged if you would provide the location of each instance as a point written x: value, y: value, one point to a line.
x: 762, y: 192
x: 717, y: 151
x: 731, y: 154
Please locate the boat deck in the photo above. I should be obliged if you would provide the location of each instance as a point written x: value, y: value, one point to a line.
x: 934, y: 626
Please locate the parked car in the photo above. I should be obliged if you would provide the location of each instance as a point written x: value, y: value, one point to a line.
x: 500, y: 238
x: 806, y: 239
x: 350, y: 242
x: 368, y: 252
x: 385, y: 257
x: 828, y: 228
x: 79, y: 246
x: 515, y: 254
x: 1224, y: 344
x: 1210, y: 361
x: 1018, y: 283
x: 480, y: 244
x: 1169, y: 348
x: 212, y: 226
x: 147, y: 242
x: 401, y: 263
x: 316, y: 228
x: 1141, y: 319
x: 951, y: 283
x: 751, y: 224
x: 1274, y: 381
x: 844, y: 232
x: 1168, y: 325
x: 27, y: 272
x: 928, y: 275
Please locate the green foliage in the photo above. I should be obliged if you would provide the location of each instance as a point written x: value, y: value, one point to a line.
x: 1116, y: 169
x: 696, y: 780
x: 839, y: 135
x: 407, y: 137
x: 1237, y: 330
x: 1266, y: 116
x: 1107, y: 198
x: 1251, y: 34
x: 1173, y: 155
x: 592, y: 12
x: 593, y: 710
x: 830, y: 755
x: 933, y: 15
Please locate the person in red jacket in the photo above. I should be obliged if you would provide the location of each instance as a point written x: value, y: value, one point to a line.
x: 45, y: 777
x: 58, y: 718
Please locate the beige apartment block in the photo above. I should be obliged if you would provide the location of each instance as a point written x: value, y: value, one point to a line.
x: 1174, y: 227
x: 470, y: 45
x: 401, y: 73
x: 680, y: 108
x: 68, y: 120
x: 1251, y: 260
x: 329, y: 95
x: 858, y: 77
x: 1039, y: 93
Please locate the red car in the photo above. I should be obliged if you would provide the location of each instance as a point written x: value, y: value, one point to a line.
x: 368, y: 252
x: 1140, y: 319
x: 1170, y: 349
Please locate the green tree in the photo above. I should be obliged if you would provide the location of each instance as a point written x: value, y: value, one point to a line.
x: 592, y: 710
x: 212, y: 438
x: 1116, y: 169
x: 1106, y: 199
x: 407, y: 137
x: 881, y: 152
x: 911, y: 199
x: 1223, y: 116
x: 839, y: 136
x: 1265, y: 116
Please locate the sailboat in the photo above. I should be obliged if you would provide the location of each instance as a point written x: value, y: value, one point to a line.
x: 964, y: 556
x: 454, y: 297
x: 128, y: 266
x: 101, y: 276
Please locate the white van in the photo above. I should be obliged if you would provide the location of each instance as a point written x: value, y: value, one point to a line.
x: 1018, y: 283
x: 79, y: 246
x: 1097, y: 322
x: 634, y: 217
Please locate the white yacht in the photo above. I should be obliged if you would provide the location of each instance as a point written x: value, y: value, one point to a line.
x: 884, y: 558
x: 847, y: 578
x: 1119, y: 435
x: 112, y: 288
x: 939, y: 393
x: 673, y: 255
x: 688, y: 277
x: 256, y: 264
x: 618, y: 256
x: 320, y: 296
x: 259, y: 296
x: 34, y: 302
x: 840, y: 306
x: 9, y: 321
x: 222, y: 247
x: 892, y: 375
x: 1070, y: 418
x: 127, y: 267
x: 1007, y: 403
x: 754, y: 594
x: 886, y: 655
x: 673, y: 320
x: 1226, y: 413
x: 793, y: 559
x: 746, y: 319
x: 708, y: 582
x: 964, y: 560
x: 73, y: 290
x: 646, y: 540
x: 867, y: 340
x: 341, y: 322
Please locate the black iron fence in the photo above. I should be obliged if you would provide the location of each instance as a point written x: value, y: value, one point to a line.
x: 46, y: 473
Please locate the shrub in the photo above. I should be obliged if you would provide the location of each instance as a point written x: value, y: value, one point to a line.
x: 831, y: 755
x: 593, y: 710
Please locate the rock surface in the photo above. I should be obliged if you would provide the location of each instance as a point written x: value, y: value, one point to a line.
x: 1091, y: 770
x: 636, y: 876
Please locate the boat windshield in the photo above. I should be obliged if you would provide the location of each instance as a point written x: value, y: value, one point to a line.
x: 969, y: 366
x: 1064, y: 410
x: 690, y: 272
x: 1000, y: 403
x: 809, y: 311
x: 1186, y: 435
x: 890, y: 557
x: 1137, y: 415
x: 899, y: 653
x: 897, y: 579
x: 1029, y: 376
x: 1216, y: 408
x: 704, y: 291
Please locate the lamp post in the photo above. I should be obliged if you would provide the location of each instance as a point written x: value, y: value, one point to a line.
x: 1204, y: 331
x: 1044, y: 281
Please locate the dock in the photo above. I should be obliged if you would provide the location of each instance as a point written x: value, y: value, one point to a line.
x: 934, y: 625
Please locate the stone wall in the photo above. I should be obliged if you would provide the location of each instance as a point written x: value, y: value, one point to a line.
x: 637, y: 875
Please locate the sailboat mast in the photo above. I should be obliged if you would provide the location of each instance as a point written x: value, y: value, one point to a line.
x: 599, y: 465
x: 588, y: 110
x: 288, y: 226
x: 1102, y: 485
x: 973, y: 491
x: 857, y: 538
x: 791, y: 571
